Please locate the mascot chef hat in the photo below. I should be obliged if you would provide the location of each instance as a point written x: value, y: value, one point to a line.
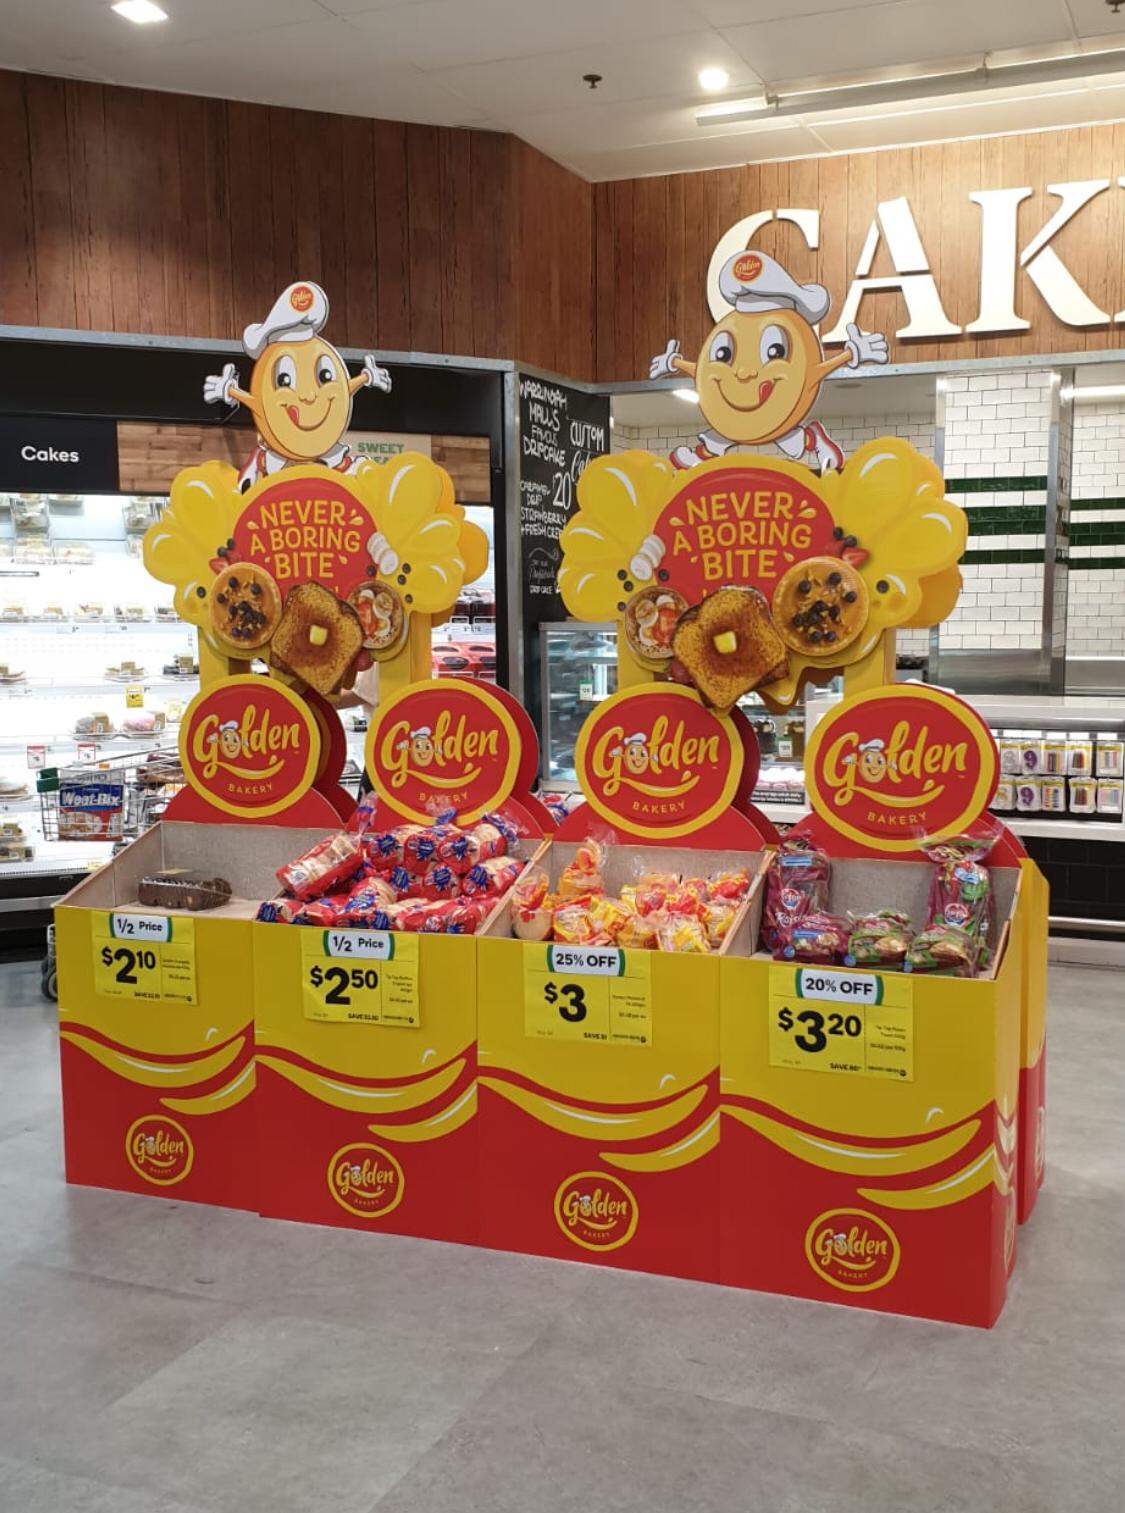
x: 299, y: 313
x: 753, y: 281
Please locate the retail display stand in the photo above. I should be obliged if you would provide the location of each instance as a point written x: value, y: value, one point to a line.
x: 850, y: 1135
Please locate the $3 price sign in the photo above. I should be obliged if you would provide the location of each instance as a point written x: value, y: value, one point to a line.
x: 360, y: 977
x: 856, y: 1024
x: 594, y: 994
x: 149, y: 957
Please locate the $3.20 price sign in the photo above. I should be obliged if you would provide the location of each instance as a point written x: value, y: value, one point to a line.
x: 857, y: 1024
x: 595, y: 994
x: 360, y: 977
x: 150, y: 957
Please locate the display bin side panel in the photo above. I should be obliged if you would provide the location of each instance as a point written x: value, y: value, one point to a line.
x: 877, y: 1192
x: 602, y: 1153
x: 158, y: 1096
x: 1033, y: 1040
x: 368, y: 1126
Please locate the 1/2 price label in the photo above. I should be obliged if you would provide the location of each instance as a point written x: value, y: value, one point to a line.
x: 360, y: 977
x: 856, y: 1024
x: 148, y: 957
x: 594, y: 994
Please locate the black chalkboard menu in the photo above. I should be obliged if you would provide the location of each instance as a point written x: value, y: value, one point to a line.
x: 560, y: 430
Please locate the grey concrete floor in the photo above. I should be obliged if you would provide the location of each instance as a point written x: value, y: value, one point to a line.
x: 157, y: 1357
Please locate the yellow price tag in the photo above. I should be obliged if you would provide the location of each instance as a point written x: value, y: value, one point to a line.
x: 857, y: 1024
x: 360, y: 977
x: 144, y: 956
x: 595, y: 994
x: 134, y: 696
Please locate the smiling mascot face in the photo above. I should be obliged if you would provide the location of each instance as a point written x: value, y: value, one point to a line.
x: 230, y: 744
x: 872, y: 766
x: 758, y: 374
x: 300, y: 398
x: 636, y: 757
x: 421, y: 750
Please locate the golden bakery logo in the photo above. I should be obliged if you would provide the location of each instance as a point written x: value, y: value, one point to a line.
x: 159, y: 1149
x: 596, y: 1211
x: 301, y: 298
x: 656, y: 762
x: 894, y: 766
x: 305, y: 529
x: 853, y: 1250
x: 249, y: 746
x: 445, y: 745
x: 366, y: 1180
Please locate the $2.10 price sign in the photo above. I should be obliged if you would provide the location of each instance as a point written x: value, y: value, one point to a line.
x: 857, y: 1024
x: 596, y: 994
x: 360, y: 977
x: 144, y: 956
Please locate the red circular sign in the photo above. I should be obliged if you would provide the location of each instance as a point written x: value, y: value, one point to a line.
x: 305, y: 525
x: 739, y: 525
x: 249, y: 747
x: 896, y: 766
x: 655, y: 762
x: 446, y: 745
x: 747, y: 267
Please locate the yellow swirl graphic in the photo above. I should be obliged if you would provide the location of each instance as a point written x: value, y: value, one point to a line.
x: 156, y: 1073
x: 366, y: 1100
x: 222, y: 1099
x: 856, y: 1160
x: 450, y: 1118
x: 964, y: 1184
x: 703, y: 1139
x: 598, y: 1124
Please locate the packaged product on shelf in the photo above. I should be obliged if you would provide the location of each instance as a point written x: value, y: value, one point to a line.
x: 1080, y: 756
x: 331, y: 861
x: 143, y: 722
x: 1110, y: 757
x: 91, y: 806
x: 814, y: 939
x: 1110, y: 796
x: 1083, y: 796
x: 945, y: 950
x: 1004, y: 799
x: 183, y: 888
x: 1052, y: 795
x: 9, y: 674
x: 960, y: 899
x: 1031, y: 755
x: 12, y: 787
x: 1028, y: 797
x: 797, y: 885
x: 1054, y: 754
x: 881, y: 939
x: 96, y: 724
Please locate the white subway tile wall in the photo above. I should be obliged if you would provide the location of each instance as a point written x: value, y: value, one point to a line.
x: 996, y: 440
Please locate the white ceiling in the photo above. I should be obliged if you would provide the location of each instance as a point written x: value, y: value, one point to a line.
x: 517, y: 65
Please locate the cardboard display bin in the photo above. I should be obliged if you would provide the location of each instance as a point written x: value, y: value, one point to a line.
x: 1033, y: 1041
x: 368, y: 1120
x: 156, y: 1020
x: 869, y: 1119
x: 605, y: 1149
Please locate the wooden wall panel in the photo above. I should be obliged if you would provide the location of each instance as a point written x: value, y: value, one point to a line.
x: 127, y: 210
x: 634, y: 318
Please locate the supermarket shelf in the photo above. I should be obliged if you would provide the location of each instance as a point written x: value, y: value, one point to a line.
x: 98, y: 627
x: 1074, y: 830
x: 1067, y: 712
x: 783, y: 814
x: 33, y: 689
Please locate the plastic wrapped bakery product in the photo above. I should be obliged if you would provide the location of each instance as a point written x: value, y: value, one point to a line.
x: 183, y: 888
x: 943, y: 950
x: 816, y: 938
x: 881, y: 939
x: 797, y: 885
x: 331, y: 861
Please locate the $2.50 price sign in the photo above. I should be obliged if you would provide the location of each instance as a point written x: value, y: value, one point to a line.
x: 144, y: 956
x: 360, y: 977
x: 857, y: 1024
x: 596, y: 994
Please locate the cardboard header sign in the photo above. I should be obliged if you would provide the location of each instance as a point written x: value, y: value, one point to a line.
x: 751, y: 573
x: 451, y: 746
x: 897, y: 766
x: 657, y: 765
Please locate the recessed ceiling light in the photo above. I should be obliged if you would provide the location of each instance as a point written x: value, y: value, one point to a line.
x: 141, y: 11
x: 713, y: 79
x: 688, y: 394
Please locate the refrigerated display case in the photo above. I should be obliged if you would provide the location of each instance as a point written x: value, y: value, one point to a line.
x: 94, y: 665
x: 579, y: 669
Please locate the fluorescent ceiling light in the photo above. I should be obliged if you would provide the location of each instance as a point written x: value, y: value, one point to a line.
x: 143, y: 12
x: 730, y: 109
x: 713, y: 79
x: 1090, y: 392
x: 689, y: 395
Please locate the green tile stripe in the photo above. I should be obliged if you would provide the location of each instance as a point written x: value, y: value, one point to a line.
x: 1097, y: 532
x: 1007, y: 520
x: 1030, y: 554
x: 994, y: 485
x: 1115, y: 503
